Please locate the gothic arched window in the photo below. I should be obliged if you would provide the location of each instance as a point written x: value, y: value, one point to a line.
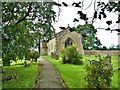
x: 68, y: 42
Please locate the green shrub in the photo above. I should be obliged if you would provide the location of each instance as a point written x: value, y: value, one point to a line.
x: 71, y: 55
x: 26, y: 63
x: 34, y: 55
x: 99, y: 73
x: 27, y: 56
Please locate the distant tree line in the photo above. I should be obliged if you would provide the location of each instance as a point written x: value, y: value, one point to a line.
x: 113, y: 47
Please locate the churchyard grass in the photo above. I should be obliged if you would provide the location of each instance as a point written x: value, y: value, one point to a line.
x: 25, y: 75
x: 73, y: 75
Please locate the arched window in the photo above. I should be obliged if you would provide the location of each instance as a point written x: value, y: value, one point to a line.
x: 68, y: 42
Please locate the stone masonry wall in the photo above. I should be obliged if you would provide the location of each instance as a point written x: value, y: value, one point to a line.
x: 64, y: 35
x: 102, y: 52
x: 51, y: 46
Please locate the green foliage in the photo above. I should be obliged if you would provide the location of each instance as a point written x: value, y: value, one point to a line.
x: 27, y: 56
x: 17, y: 41
x: 17, y: 76
x: 34, y: 55
x: 99, y: 73
x: 103, y: 48
x: 89, y: 39
x: 73, y: 75
x: 20, y: 33
x: 71, y: 55
x: 26, y: 63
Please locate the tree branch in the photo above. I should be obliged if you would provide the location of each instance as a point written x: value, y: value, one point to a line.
x: 23, y: 18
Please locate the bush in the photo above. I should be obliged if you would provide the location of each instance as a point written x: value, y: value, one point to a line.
x: 27, y: 56
x: 99, y: 73
x: 71, y: 55
x: 26, y: 63
x: 34, y: 55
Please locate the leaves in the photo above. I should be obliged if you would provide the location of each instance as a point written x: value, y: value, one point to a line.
x: 57, y: 4
x: 62, y: 27
x: 99, y: 16
x: 88, y: 33
x: 82, y: 15
x: 109, y: 22
x: 118, y: 30
x: 64, y: 4
x: 103, y: 13
x: 71, y: 55
x: 107, y: 28
x: 75, y: 20
x: 99, y: 73
x: 20, y: 32
x: 77, y: 4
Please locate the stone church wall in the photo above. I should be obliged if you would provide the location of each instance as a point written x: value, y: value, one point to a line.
x: 51, y: 46
x: 57, y: 44
x: 43, y: 48
x: 63, y: 36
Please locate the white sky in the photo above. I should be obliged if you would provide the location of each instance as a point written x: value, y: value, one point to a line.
x: 68, y: 14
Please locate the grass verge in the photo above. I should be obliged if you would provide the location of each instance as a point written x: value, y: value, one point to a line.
x: 73, y: 75
x: 25, y: 76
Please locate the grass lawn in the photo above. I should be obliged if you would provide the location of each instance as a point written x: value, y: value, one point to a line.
x: 25, y: 76
x: 73, y: 75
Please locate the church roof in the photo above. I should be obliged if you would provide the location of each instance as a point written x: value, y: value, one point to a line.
x: 68, y: 28
x: 64, y: 29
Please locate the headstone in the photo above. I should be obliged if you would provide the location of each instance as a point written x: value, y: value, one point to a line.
x: 56, y: 57
x: 108, y: 58
x: 92, y: 61
x: 53, y: 55
x: 119, y: 57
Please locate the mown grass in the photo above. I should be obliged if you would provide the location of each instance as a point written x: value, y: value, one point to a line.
x: 73, y: 75
x: 25, y: 76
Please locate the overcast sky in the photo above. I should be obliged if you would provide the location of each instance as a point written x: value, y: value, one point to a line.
x: 68, y: 14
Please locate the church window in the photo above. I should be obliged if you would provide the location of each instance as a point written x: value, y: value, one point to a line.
x: 68, y: 42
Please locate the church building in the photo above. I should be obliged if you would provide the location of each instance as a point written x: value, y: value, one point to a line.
x: 61, y: 40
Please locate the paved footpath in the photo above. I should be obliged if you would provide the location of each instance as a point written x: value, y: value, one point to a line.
x: 49, y: 76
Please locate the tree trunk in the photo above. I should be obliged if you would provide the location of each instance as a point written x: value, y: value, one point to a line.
x: 39, y: 46
x: 6, y: 62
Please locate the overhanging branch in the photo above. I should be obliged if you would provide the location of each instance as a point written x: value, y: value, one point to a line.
x: 23, y: 18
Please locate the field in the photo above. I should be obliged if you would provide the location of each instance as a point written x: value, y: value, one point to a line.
x: 25, y: 76
x: 73, y: 75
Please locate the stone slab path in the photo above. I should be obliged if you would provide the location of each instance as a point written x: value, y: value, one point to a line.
x: 49, y: 76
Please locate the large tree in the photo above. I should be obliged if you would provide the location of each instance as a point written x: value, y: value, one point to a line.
x: 24, y: 24
x: 89, y: 38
